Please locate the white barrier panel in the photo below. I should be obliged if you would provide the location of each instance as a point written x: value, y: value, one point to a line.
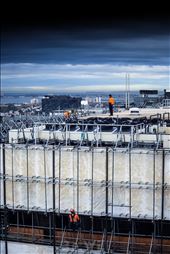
x: 167, y: 186
x: 1, y: 177
x: 134, y: 187
x: 118, y: 176
x: 25, y: 248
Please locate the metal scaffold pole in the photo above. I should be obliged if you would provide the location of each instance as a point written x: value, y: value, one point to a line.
x: 5, y: 203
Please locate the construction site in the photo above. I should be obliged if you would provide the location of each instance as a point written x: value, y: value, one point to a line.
x: 114, y: 171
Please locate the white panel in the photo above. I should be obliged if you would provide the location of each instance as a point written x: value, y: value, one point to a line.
x: 158, y: 200
x: 142, y: 203
x: 1, y: 177
x: 92, y: 136
x: 85, y: 176
x: 9, y: 194
x: 57, y: 186
x: 48, y: 161
x: 49, y: 196
x: 108, y: 136
x: 2, y: 247
x: 68, y: 173
x: 167, y: 167
x: 158, y: 168
x: 14, y: 135
x: 19, y: 161
x: 25, y: 248
x: 167, y: 188
x: 75, y: 135
x: 68, y: 197
x: 44, y: 134
x: 20, y: 172
x: 110, y: 165
x: 37, y: 195
x: 8, y: 160
x: 158, y: 183
x: 60, y: 135
x: 20, y: 194
x: 36, y: 161
x: 36, y: 168
x: 99, y: 177
x: 167, y: 204
x: 40, y: 163
x: 99, y: 200
x: 142, y: 175
x: 8, y: 171
x: 121, y: 166
x: 120, y: 202
x: 142, y: 166
x: 85, y: 165
x: 85, y: 199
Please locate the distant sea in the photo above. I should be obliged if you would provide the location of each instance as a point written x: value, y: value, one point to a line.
x: 21, y: 99
x: 17, y: 99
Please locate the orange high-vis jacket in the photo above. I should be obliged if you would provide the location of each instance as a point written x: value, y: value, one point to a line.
x: 74, y: 218
x: 111, y: 100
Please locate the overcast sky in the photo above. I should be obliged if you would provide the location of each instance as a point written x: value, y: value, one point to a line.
x: 84, y: 54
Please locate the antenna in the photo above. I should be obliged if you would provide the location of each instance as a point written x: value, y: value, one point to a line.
x: 127, y: 91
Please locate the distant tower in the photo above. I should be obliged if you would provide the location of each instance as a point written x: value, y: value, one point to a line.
x: 127, y: 91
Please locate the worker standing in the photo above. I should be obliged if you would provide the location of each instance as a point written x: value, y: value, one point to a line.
x: 74, y: 220
x: 111, y: 102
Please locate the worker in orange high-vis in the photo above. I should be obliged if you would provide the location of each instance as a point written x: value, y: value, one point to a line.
x: 74, y: 220
x: 111, y: 102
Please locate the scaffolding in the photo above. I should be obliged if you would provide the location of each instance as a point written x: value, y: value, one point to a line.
x: 85, y: 161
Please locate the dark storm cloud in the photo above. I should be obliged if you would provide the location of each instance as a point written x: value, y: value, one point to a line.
x: 117, y: 41
x: 82, y: 53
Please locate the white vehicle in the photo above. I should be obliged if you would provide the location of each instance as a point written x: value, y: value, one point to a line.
x: 134, y: 111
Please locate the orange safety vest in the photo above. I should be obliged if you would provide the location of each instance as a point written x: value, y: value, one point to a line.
x: 74, y: 218
x: 111, y: 100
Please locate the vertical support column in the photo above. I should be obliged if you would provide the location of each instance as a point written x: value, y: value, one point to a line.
x: 66, y: 133
x: 163, y: 181
x: 113, y: 171
x: 54, y: 222
x: 45, y: 181
x: 154, y: 237
x: 27, y: 180
x: 128, y: 80
x: 32, y: 225
x: 106, y: 204
x: 92, y: 182
x: 18, y: 225
x: 78, y: 168
x: 130, y: 183
x: 5, y: 205
x: 126, y: 97
x: 50, y: 226
x: 106, y: 181
x: 12, y: 164
x: 132, y: 232
x: 154, y: 152
x: 131, y: 222
x: 127, y: 92
x: 59, y: 180
x: 162, y: 201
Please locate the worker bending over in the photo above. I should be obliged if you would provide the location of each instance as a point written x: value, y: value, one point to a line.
x: 74, y: 220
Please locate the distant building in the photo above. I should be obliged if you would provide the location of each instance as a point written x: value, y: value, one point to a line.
x: 166, y: 94
x: 147, y: 98
x: 34, y: 101
x: 52, y: 103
